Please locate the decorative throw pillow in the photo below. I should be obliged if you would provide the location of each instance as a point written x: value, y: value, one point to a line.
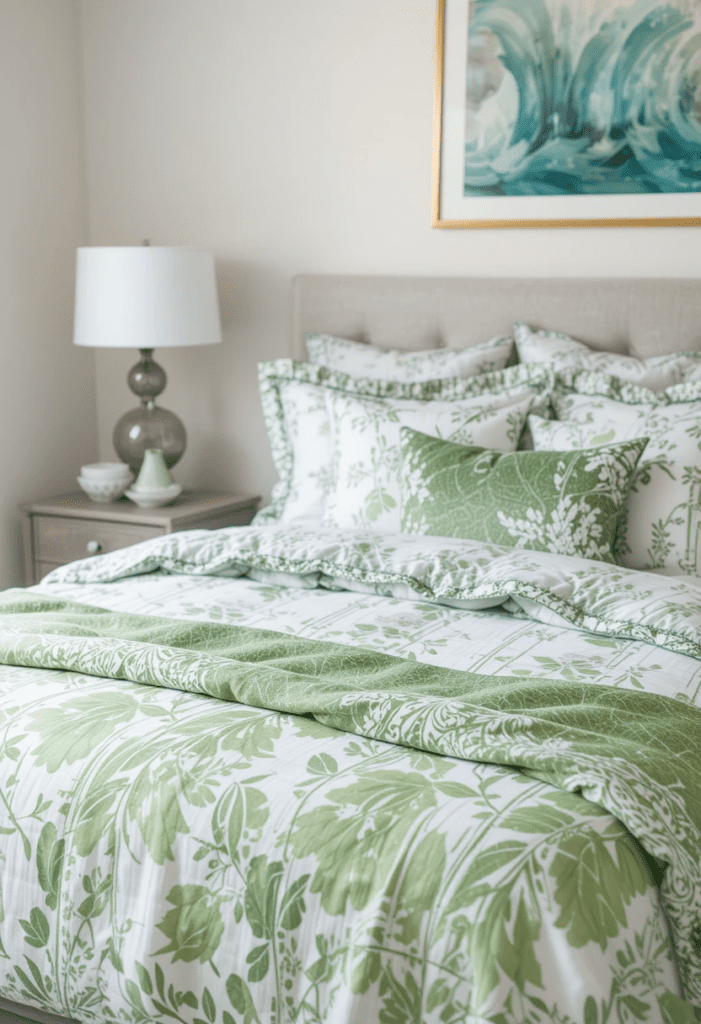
x: 362, y: 360
x: 568, y: 503
x: 662, y: 527
x: 293, y: 396
x: 367, y: 458
x: 563, y: 353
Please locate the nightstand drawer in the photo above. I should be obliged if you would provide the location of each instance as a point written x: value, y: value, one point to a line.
x: 58, y: 539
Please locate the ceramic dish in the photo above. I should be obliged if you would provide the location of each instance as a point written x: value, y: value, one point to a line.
x: 154, y: 497
x: 105, y: 490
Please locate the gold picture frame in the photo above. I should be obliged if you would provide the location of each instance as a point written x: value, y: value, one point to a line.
x: 452, y: 208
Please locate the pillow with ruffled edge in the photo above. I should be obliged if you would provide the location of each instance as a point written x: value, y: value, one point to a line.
x: 293, y: 396
x: 567, y: 503
x: 359, y: 359
x: 563, y: 353
x: 662, y: 527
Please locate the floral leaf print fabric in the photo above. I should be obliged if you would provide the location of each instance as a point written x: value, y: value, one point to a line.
x: 365, y: 489
x: 605, y: 599
x: 568, y: 503
x: 300, y: 440
x: 662, y: 527
x: 564, y: 354
x: 275, y: 898
x: 296, y: 397
x: 364, y: 360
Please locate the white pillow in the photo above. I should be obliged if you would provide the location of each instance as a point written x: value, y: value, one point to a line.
x: 293, y: 396
x: 663, y: 522
x: 366, y: 490
x: 563, y: 353
x: 362, y: 360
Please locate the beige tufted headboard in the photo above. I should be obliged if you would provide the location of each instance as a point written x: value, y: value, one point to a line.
x: 642, y: 317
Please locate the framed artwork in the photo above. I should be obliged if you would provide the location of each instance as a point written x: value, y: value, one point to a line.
x: 562, y: 113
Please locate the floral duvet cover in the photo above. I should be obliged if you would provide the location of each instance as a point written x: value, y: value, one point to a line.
x: 272, y: 775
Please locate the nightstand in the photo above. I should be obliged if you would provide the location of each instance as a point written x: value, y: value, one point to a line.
x: 62, y: 529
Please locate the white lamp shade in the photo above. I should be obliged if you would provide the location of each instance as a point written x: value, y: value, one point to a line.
x: 145, y: 297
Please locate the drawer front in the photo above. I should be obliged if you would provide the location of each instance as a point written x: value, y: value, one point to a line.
x: 59, y: 539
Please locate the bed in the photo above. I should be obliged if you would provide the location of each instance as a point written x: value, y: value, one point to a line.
x: 410, y: 748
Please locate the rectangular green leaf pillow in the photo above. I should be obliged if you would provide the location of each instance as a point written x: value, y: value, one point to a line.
x: 568, y: 503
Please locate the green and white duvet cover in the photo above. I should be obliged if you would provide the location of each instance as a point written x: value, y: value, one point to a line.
x: 275, y: 774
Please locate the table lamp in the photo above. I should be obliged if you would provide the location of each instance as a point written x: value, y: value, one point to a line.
x: 146, y: 297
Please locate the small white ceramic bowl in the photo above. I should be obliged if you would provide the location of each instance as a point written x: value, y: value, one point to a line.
x: 105, y: 490
x: 154, y: 497
x: 103, y: 471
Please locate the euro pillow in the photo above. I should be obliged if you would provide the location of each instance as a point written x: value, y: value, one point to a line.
x: 298, y: 422
x: 564, y: 354
x: 662, y: 529
x: 568, y: 503
x: 363, y: 360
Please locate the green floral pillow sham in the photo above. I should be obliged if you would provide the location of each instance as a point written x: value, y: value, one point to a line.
x: 563, y: 354
x: 662, y: 529
x: 359, y: 359
x: 296, y: 397
x: 568, y: 503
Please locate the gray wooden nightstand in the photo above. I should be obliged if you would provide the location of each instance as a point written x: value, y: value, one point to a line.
x: 62, y: 529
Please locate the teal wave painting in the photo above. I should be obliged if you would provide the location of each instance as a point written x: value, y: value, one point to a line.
x: 583, y: 98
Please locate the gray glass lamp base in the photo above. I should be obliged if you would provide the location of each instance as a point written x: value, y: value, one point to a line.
x: 148, y: 426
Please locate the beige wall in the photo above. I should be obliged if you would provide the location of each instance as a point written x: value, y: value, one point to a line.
x: 288, y: 136
x: 48, y: 422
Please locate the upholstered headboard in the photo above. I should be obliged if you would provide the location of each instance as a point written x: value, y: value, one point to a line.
x: 642, y: 317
